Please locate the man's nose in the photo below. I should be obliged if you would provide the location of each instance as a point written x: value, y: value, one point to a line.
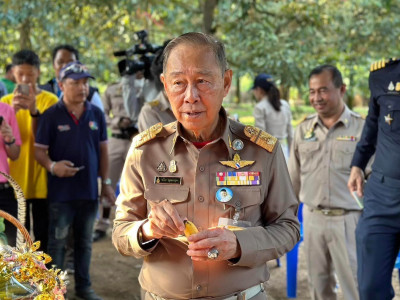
x: 191, y: 94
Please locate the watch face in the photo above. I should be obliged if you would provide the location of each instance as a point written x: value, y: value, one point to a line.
x: 107, y: 181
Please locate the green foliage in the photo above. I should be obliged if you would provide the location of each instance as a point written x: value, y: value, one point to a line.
x: 285, y: 38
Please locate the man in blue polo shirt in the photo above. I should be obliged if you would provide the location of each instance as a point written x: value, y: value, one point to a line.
x: 71, y: 143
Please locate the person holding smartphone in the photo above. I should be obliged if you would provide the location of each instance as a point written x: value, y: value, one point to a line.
x: 29, y: 102
x: 10, y: 144
x: 71, y: 143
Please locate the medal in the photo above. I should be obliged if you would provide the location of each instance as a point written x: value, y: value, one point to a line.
x: 391, y: 86
x: 172, y: 166
x: 162, y: 167
x: 224, y: 195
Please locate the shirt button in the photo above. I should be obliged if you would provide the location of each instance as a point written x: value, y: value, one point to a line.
x: 201, y: 198
x: 198, y: 288
x: 202, y: 169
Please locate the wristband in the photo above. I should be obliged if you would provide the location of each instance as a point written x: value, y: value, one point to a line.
x: 52, y: 167
x: 10, y: 143
x: 37, y: 114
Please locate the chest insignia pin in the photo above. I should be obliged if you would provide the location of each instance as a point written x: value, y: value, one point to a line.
x: 310, y: 135
x: 391, y: 86
x: 397, y: 87
x: 162, y: 167
x: 237, y: 145
x: 388, y: 119
x: 237, y: 163
x: 172, y: 166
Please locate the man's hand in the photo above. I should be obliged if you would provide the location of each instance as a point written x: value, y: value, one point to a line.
x: 6, y: 132
x: 21, y: 101
x: 124, y: 123
x: 164, y: 220
x: 64, y: 168
x: 108, y: 193
x: 222, y: 239
x: 356, y: 181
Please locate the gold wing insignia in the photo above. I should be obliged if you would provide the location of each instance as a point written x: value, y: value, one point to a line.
x: 261, y: 138
x: 236, y: 163
x: 147, y: 135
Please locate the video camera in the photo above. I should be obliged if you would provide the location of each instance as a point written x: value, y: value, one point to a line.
x: 144, y: 49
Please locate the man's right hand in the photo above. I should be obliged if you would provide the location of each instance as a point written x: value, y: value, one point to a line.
x: 64, y: 168
x: 356, y: 181
x: 164, y: 220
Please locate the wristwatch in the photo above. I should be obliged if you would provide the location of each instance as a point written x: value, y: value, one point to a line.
x: 107, y: 181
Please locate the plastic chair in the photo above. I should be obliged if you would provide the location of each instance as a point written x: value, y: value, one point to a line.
x: 397, y: 264
x: 292, y: 261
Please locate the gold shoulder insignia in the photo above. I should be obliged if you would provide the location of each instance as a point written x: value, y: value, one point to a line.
x: 382, y: 64
x: 154, y: 103
x: 147, y: 135
x: 261, y: 138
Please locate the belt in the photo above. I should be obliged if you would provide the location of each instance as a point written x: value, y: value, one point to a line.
x: 330, y: 211
x: 244, y: 295
x: 247, y: 294
x: 4, y: 185
x: 120, y: 136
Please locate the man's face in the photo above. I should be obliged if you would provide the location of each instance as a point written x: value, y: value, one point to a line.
x: 62, y: 58
x: 26, y: 74
x: 324, y: 96
x: 75, y: 91
x: 195, y: 86
x: 224, y: 193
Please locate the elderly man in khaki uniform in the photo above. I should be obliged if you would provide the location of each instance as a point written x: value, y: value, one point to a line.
x: 174, y: 172
x: 319, y: 166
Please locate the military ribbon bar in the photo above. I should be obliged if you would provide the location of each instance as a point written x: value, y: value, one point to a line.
x: 238, y: 178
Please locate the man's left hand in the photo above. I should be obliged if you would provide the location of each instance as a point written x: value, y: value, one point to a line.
x: 108, y: 193
x: 222, y: 239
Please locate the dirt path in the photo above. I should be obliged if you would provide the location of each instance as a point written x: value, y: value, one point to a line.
x: 114, y: 276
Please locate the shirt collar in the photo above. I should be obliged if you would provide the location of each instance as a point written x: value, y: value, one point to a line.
x: 225, y: 137
x: 344, y: 118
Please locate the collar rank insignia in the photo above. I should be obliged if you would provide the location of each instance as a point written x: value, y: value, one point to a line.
x: 236, y: 163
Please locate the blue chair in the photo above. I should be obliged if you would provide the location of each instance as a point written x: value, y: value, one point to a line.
x: 397, y: 264
x: 291, y: 262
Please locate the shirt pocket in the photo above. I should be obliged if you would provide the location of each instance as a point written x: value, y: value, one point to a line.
x: 247, y: 199
x: 178, y: 196
x: 389, y: 113
x: 308, y: 158
x: 342, y: 155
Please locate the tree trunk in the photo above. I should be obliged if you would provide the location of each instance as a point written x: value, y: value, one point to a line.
x: 25, y: 34
x: 208, y: 15
x: 238, y: 98
x: 284, y: 90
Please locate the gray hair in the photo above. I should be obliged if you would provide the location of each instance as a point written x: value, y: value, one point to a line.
x: 200, y: 39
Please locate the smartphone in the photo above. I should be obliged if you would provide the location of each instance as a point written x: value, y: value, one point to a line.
x: 23, y: 89
x: 360, y: 201
x: 81, y: 168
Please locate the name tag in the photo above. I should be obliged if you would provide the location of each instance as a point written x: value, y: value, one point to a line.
x: 167, y: 180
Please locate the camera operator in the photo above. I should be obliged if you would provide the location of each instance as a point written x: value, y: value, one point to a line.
x: 158, y: 110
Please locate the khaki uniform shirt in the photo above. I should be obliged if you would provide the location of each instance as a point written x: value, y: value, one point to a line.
x: 270, y: 208
x: 114, y: 108
x: 159, y: 110
x: 319, y: 162
x: 277, y: 123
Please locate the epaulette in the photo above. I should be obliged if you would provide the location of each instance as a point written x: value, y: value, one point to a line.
x: 154, y: 103
x: 261, y: 138
x: 308, y: 117
x: 380, y: 64
x: 147, y: 135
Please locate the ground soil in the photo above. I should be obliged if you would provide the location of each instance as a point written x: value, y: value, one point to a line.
x: 114, y: 277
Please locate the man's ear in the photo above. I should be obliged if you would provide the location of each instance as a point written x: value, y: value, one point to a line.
x: 227, y: 81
